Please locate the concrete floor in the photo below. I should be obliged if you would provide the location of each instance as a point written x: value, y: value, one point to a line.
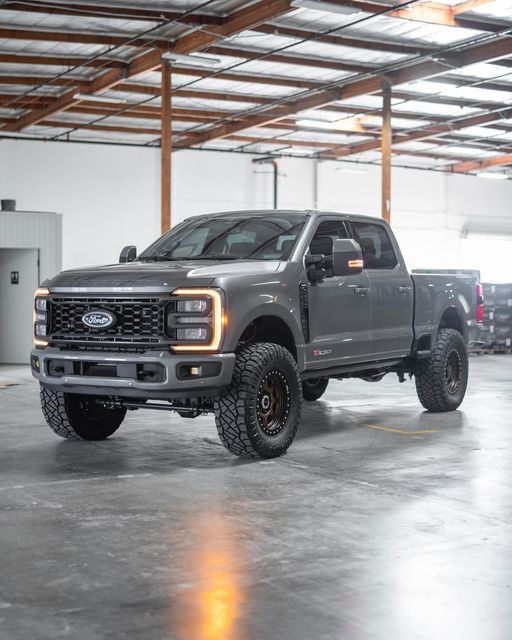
x: 382, y: 522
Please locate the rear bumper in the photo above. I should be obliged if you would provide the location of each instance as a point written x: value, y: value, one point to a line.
x: 152, y: 375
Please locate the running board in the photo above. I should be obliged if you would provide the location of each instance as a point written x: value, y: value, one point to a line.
x: 350, y: 368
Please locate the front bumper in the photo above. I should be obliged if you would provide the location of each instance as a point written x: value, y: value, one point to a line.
x: 152, y: 375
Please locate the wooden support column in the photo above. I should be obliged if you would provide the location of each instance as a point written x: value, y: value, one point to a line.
x: 166, y: 147
x: 387, y: 135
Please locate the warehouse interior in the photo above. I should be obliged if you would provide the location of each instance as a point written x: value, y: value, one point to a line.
x: 120, y: 120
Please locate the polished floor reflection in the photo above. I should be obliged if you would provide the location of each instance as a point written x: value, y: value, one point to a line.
x: 211, y: 604
x: 381, y: 522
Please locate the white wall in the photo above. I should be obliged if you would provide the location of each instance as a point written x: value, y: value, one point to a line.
x: 431, y: 211
x: 110, y: 195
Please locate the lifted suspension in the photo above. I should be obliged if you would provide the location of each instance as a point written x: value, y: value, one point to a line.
x: 133, y: 405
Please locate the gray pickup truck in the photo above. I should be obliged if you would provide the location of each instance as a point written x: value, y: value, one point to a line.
x: 245, y: 314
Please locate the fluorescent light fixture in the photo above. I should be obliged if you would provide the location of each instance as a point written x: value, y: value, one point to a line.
x: 491, y: 175
x: 350, y: 170
x: 317, y: 124
x: 191, y: 60
x: 91, y: 96
x: 341, y: 125
x: 319, y: 5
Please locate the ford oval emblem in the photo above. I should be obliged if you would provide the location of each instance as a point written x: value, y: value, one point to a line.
x: 99, y: 319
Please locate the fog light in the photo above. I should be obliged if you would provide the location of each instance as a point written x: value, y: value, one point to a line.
x: 194, y: 371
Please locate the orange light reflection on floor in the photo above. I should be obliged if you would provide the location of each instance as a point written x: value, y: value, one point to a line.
x: 210, y: 607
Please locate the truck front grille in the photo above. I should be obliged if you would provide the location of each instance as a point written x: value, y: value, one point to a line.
x: 139, y: 321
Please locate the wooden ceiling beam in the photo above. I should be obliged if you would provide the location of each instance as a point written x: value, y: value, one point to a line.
x: 252, y: 78
x: 225, y: 96
x: 479, y: 53
x: 40, y: 35
x: 241, y: 138
x: 410, y: 96
x: 345, y: 41
x: 281, y: 141
x: 430, y: 13
x: 112, y: 11
x: 246, y: 18
x: 64, y: 124
x: 188, y: 115
x: 465, y: 167
x: 61, y: 61
x: 296, y: 60
x: 477, y: 83
x: 428, y: 132
x: 82, y: 61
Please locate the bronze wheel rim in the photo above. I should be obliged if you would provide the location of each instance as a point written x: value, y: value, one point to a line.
x: 273, y: 401
x: 452, y: 372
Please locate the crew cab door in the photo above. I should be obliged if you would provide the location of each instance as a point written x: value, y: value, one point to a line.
x: 339, y: 309
x: 391, y: 294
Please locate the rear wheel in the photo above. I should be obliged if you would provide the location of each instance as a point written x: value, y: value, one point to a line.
x: 259, y: 413
x: 77, y: 417
x: 441, y: 379
x: 314, y: 388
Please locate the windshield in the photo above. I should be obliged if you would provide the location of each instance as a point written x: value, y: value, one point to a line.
x: 231, y: 237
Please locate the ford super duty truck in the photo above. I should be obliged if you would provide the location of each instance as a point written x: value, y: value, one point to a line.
x: 244, y: 315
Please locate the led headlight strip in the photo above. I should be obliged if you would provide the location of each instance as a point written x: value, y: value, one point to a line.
x: 40, y: 317
x: 215, y: 319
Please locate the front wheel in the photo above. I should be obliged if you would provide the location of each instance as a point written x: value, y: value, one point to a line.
x: 77, y: 417
x: 441, y: 379
x: 259, y: 413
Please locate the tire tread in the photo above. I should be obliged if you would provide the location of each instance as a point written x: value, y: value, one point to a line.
x: 430, y: 374
x: 53, y: 405
x: 231, y: 416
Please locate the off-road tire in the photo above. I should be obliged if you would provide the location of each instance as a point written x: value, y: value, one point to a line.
x: 239, y: 412
x: 314, y: 388
x: 439, y: 388
x: 74, y: 417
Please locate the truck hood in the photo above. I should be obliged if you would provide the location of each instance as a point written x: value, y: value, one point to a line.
x: 157, y: 275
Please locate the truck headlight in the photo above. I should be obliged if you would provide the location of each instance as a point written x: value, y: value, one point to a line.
x: 195, y: 319
x: 41, y: 317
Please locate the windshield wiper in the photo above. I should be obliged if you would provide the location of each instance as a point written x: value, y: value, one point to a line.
x: 214, y: 256
x: 217, y: 256
x: 160, y: 259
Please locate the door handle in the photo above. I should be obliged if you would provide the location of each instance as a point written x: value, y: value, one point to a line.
x: 360, y: 291
x: 404, y: 289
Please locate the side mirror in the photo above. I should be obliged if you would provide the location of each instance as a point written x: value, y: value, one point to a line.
x: 347, y: 258
x: 128, y: 254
